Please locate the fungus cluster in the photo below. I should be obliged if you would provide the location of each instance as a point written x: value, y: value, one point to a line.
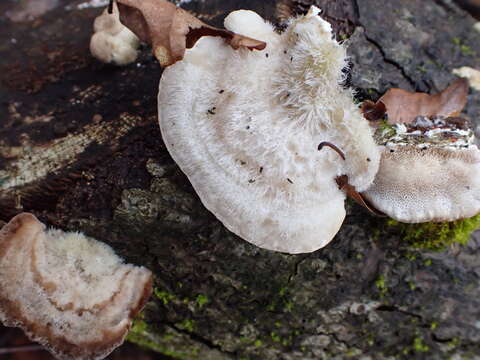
x: 273, y: 143
x: 68, y: 292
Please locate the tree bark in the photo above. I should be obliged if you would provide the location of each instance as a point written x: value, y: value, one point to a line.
x: 80, y: 148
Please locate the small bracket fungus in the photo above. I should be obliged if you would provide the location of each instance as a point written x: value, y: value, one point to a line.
x: 473, y: 76
x: 68, y: 292
x: 112, y: 42
x: 430, y: 165
x: 245, y: 127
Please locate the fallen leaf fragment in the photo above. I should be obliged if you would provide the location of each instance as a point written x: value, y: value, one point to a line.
x: 171, y: 30
x: 472, y: 75
x: 404, y: 106
x: 373, y: 111
x: 353, y: 194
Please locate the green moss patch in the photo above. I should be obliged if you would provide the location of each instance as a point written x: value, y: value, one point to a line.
x: 436, y: 236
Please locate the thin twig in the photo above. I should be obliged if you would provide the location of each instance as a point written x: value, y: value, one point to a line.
x: 334, y: 147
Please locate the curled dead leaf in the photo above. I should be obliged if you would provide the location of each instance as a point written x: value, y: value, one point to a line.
x: 373, y: 111
x: 353, y: 194
x: 171, y: 30
x: 403, y: 106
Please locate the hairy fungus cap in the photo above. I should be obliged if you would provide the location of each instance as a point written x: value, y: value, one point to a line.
x: 68, y: 292
x: 245, y: 127
x: 112, y: 42
x: 430, y: 167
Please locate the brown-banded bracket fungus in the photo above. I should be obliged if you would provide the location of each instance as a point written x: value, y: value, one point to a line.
x: 68, y: 292
x: 430, y: 165
x: 245, y: 127
x: 112, y: 42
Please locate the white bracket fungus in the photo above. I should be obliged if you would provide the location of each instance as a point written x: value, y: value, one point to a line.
x: 112, y: 42
x: 473, y: 76
x: 68, y: 292
x: 245, y: 127
x: 430, y: 165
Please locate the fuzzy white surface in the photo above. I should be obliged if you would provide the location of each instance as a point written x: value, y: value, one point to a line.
x: 245, y: 126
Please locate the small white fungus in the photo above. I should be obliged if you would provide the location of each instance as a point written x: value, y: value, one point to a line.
x: 112, y: 42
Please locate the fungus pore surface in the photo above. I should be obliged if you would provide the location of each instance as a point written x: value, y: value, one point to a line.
x: 245, y: 128
x: 68, y: 292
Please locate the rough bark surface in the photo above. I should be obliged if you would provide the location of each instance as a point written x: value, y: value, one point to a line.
x: 80, y: 147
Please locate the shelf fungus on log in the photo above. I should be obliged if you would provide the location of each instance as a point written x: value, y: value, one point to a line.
x: 430, y: 164
x: 112, y: 42
x: 245, y: 126
x: 68, y: 292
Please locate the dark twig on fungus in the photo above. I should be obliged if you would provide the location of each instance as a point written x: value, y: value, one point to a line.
x: 334, y: 147
x: 110, y: 6
x: 343, y: 184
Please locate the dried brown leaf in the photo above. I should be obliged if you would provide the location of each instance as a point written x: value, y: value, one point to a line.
x: 353, y: 194
x: 373, y: 111
x: 171, y: 30
x: 404, y: 106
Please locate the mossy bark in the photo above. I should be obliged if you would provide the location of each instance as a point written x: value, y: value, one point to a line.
x: 80, y: 147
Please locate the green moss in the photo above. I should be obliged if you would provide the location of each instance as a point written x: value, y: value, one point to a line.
x: 412, y: 285
x: 140, y: 335
x: 419, y: 345
x: 187, y: 324
x: 202, y: 300
x: 258, y: 343
x: 436, y: 236
x: 456, y: 40
x: 464, y: 49
x: 381, y: 285
x: 288, y: 306
x: 164, y: 296
x: 275, y: 337
x: 452, y: 344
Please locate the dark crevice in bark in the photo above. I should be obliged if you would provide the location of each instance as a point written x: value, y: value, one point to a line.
x: 447, y: 6
x: 199, y: 339
x: 296, y: 266
x: 390, y: 61
x: 393, y: 308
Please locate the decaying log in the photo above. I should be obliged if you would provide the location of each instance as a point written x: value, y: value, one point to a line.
x: 80, y: 147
